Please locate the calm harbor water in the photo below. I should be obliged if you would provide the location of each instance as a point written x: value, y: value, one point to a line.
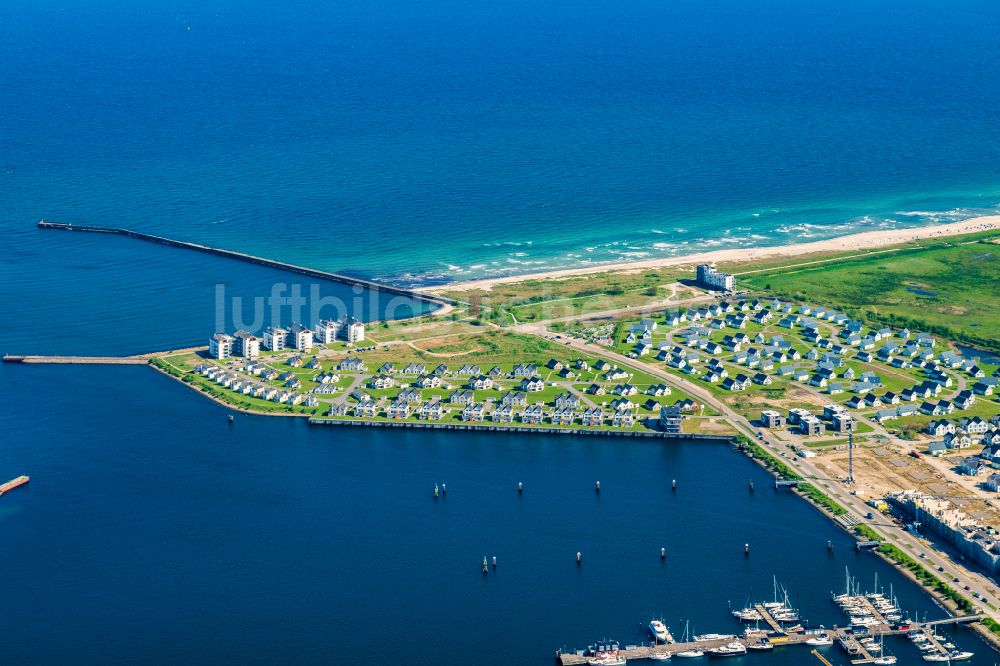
x: 154, y: 531
x: 79, y: 293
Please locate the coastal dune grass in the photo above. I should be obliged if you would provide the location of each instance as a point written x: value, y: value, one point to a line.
x: 949, y: 289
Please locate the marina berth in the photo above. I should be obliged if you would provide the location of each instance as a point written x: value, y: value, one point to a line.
x: 660, y: 632
x: 734, y: 649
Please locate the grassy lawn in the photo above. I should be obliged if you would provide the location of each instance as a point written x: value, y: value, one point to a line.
x: 838, y: 441
x: 238, y: 400
x: 951, y: 290
x: 912, y: 425
x: 536, y: 299
x: 486, y: 348
x: 566, y: 307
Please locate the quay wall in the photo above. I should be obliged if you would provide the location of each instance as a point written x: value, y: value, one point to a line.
x: 270, y: 263
x: 492, y: 427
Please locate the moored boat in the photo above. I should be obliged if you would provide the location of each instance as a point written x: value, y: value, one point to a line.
x: 954, y: 655
x: 688, y: 654
x: 747, y: 615
x: 605, y: 654
x: 659, y: 631
x: 820, y: 639
x: 734, y: 649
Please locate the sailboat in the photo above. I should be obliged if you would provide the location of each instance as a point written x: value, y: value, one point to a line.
x: 687, y: 639
x: 885, y: 659
x: 748, y: 613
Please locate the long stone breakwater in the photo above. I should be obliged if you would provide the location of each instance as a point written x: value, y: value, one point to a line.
x: 77, y: 360
x: 271, y: 263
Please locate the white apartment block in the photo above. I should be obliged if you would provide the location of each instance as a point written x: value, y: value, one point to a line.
x: 299, y: 338
x: 352, y: 330
x: 274, y: 338
x: 708, y: 276
x: 345, y: 328
x: 246, y: 344
x: 326, y: 331
x: 220, y: 345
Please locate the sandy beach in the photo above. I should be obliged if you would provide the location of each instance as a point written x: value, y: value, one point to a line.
x: 865, y: 241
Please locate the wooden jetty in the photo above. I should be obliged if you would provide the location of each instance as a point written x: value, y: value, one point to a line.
x: 853, y: 647
x: 241, y: 256
x: 769, y: 619
x: 14, y: 483
x: 874, y: 612
x: 644, y: 651
x: 850, y: 642
x: 929, y: 633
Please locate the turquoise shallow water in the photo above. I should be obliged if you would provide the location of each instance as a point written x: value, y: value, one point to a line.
x: 439, y: 140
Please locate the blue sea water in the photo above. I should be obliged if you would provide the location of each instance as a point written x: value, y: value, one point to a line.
x: 98, y: 294
x: 438, y: 140
x: 423, y: 142
x: 154, y: 531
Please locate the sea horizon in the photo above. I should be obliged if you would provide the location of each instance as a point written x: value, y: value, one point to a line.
x: 421, y: 144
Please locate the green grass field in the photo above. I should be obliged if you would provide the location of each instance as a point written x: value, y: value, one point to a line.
x: 951, y: 290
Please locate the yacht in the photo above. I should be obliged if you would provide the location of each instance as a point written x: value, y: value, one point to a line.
x: 659, y: 631
x: 761, y: 645
x: 712, y: 637
x: 888, y: 659
x: 734, y: 649
x: 954, y: 655
x: 820, y: 639
x: 660, y: 656
x: 747, y: 615
x: 872, y: 646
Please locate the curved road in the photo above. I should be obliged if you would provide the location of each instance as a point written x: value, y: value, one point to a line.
x: 990, y: 601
